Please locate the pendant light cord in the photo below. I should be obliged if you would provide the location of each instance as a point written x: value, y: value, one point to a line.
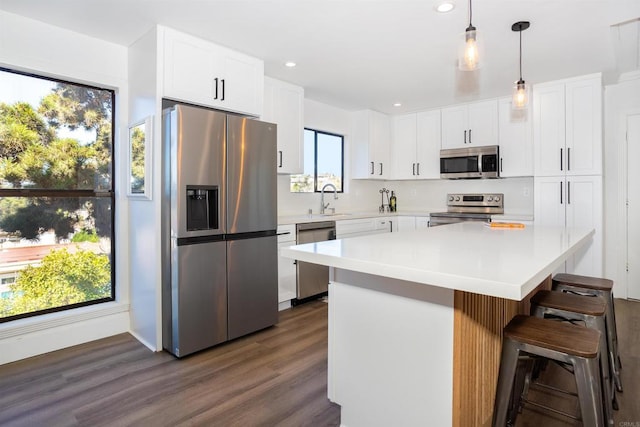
x: 520, y: 54
x: 470, y: 13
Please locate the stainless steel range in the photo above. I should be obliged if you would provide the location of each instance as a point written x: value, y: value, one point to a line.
x: 469, y: 207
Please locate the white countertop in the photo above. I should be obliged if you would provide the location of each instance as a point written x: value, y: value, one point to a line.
x: 298, y: 219
x: 506, y: 263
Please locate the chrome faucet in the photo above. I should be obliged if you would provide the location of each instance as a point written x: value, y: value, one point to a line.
x: 335, y: 196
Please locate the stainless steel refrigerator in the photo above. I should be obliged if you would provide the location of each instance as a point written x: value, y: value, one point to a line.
x: 220, y: 278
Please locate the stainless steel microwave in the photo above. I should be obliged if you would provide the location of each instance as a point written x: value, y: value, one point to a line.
x: 476, y: 162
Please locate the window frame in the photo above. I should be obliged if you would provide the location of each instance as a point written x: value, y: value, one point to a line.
x: 74, y: 193
x: 315, y: 158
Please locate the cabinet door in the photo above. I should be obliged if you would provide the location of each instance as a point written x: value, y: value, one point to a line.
x: 549, y: 201
x: 370, y: 147
x: 404, y: 147
x: 549, y: 130
x: 286, y: 275
x: 405, y: 223
x: 584, y: 127
x: 515, y: 136
x: 584, y: 209
x: 422, y: 222
x: 428, y: 145
x: 200, y: 72
x: 454, y: 127
x: 242, y: 83
x: 190, y: 69
x: 380, y: 137
x: 482, y: 122
x: 283, y: 105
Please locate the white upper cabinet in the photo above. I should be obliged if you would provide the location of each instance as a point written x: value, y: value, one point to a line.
x: 370, y: 147
x: 516, y: 140
x: 416, y: 145
x: 584, y: 126
x: 284, y: 105
x: 473, y: 124
x: 404, y: 146
x: 200, y: 72
x: 428, y: 143
x: 568, y: 127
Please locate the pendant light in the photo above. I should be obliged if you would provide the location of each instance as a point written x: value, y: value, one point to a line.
x: 469, y: 53
x: 520, y: 98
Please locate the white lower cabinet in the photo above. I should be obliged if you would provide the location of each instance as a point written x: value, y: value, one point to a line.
x: 573, y: 201
x: 422, y: 222
x: 405, y: 223
x: 364, y: 226
x: 286, y: 266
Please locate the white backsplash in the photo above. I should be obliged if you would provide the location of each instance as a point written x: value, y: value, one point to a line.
x: 429, y: 195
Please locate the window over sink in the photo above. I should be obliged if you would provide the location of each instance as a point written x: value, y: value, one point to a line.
x: 323, y: 162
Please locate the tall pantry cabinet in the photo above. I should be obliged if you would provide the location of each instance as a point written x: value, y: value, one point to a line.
x: 567, y: 118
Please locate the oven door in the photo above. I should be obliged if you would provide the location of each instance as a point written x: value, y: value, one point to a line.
x: 447, y: 218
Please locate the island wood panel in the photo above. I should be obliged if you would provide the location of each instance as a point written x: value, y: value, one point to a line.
x: 477, y: 343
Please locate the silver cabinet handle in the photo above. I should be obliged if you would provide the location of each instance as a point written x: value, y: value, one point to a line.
x: 568, y: 192
x: 380, y: 168
x: 560, y: 192
x: 280, y: 162
x: 418, y: 168
x: 569, y: 158
x: 222, y: 99
x: 413, y: 165
x: 561, y: 159
x: 465, y: 136
x: 469, y: 136
x: 215, y: 82
x: 500, y: 164
x: 372, y: 172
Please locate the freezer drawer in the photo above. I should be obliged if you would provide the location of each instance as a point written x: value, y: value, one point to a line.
x: 252, y: 284
x: 198, y: 297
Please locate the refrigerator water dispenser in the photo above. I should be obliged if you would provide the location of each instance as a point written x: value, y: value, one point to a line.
x: 202, y: 207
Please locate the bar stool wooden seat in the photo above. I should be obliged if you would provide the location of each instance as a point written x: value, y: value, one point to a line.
x: 596, y: 286
x: 590, y: 312
x: 575, y: 345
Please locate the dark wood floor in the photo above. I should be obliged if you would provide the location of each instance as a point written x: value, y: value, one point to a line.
x: 276, y: 377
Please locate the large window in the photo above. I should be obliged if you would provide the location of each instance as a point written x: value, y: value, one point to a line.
x: 323, y: 162
x: 56, y: 195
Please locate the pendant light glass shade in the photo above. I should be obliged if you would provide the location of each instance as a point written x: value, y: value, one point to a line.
x: 470, y: 49
x: 520, y: 99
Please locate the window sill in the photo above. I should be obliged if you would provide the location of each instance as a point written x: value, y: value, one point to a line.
x: 54, y: 320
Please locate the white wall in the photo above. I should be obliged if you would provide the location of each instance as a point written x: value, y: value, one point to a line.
x: 144, y: 215
x: 33, y: 46
x: 619, y: 100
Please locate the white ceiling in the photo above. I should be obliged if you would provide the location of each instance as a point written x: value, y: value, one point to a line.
x: 358, y: 54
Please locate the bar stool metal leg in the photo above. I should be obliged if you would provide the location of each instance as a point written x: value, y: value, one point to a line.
x: 612, y: 334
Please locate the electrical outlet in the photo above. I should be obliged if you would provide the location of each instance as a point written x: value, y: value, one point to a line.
x: 525, y: 192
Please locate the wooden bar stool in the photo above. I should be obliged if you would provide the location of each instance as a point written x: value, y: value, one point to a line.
x: 590, y: 312
x: 595, y: 286
x: 575, y: 345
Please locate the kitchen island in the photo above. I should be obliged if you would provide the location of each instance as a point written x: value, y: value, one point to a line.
x: 416, y: 318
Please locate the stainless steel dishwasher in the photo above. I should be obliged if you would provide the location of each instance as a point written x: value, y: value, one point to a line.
x: 313, y: 279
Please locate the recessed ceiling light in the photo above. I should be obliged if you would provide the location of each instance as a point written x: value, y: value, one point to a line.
x: 445, y: 6
x: 397, y: 104
x: 290, y: 64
